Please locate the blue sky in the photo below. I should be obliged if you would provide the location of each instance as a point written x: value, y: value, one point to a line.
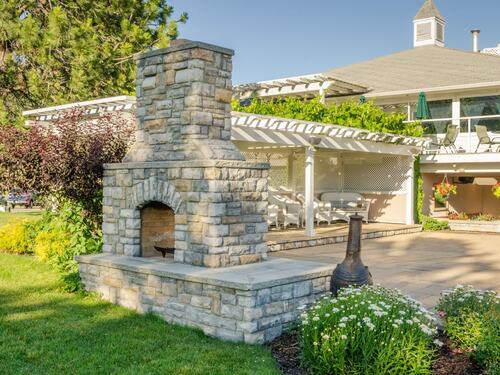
x: 279, y: 38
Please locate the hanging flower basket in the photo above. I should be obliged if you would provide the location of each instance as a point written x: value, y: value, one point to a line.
x: 443, y: 190
x: 496, y: 190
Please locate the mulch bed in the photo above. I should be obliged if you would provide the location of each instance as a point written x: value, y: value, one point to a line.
x: 286, y: 351
x: 454, y: 362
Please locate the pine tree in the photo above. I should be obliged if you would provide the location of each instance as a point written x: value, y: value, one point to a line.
x: 59, y: 51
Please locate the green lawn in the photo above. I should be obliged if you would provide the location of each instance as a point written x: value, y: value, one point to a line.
x: 7, y: 217
x: 44, y: 330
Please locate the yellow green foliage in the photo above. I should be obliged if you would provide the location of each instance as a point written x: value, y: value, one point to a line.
x: 16, y: 237
x: 56, y: 237
x: 50, y: 244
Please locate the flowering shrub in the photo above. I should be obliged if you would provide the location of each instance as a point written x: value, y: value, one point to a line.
x: 472, y: 321
x: 367, y: 330
x: 443, y: 191
x: 496, y: 190
x: 452, y: 303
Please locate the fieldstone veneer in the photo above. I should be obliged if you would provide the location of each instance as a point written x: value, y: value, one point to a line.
x: 184, y: 158
x: 251, y: 303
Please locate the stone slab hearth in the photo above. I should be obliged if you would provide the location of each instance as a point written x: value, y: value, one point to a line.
x: 251, y: 303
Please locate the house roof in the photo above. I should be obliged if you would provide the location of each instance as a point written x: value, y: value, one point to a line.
x: 422, y: 68
x: 428, y: 10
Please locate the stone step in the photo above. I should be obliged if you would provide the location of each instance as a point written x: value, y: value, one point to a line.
x: 292, y: 244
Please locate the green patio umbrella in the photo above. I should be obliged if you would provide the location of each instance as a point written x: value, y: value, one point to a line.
x: 422, y: 107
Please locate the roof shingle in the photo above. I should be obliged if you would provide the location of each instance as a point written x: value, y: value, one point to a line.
x: 422, y: 67
x: 428, y: 10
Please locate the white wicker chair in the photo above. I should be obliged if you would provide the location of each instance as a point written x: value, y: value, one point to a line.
x: 273, y: 211
x: 291, y: 211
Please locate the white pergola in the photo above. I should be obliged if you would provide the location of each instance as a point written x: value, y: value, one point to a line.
x: 122, y: 103
x: 307, y: 86
x: 269, y: 133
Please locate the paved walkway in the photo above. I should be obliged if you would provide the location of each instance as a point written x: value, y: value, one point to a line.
x: 421, y: 264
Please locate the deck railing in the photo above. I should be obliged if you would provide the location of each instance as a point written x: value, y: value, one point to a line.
x: 467, y: 140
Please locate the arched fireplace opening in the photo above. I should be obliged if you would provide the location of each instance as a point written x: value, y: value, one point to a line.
x: 157, y: 230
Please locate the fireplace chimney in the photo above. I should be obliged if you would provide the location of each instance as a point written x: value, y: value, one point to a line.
x: 475, y: 39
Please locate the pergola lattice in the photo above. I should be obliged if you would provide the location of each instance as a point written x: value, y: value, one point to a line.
x: 306, y: 86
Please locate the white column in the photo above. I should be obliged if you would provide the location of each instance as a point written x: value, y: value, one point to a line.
x: 322, y: 98
x: 455, y: 110
x: 410, y: 192
x: 309, y: 193
x: 291, y: 177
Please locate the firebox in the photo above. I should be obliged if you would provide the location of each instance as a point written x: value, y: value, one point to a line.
x: 157, y: 230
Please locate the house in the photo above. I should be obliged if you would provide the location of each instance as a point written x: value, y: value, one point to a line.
x: 462, y: 87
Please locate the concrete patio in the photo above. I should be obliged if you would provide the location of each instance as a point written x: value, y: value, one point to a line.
x: 421, y: 264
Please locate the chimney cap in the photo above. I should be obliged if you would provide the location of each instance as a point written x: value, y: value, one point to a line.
x: 475, y: 31
x: 183, y: 44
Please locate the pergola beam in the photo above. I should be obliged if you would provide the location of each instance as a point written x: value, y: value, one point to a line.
x: 290, y: 132
x: 300, y: 85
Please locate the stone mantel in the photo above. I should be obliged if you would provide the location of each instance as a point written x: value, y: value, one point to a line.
x: 188, y: 164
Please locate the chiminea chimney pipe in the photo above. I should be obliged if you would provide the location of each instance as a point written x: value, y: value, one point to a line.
x: 475, y: 39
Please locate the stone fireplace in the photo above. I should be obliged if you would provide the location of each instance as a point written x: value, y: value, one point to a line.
x: 184, y: 174
x: 185, y: 186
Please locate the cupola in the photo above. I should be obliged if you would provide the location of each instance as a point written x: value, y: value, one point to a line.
x: 428, y: 26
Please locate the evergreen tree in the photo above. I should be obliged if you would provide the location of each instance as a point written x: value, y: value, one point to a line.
x: 59, y: 51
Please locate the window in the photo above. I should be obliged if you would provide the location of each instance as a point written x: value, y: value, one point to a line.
x: 438, y: 109
x: 481, y: 106
x: 440, y: 32
x: 424, y: 31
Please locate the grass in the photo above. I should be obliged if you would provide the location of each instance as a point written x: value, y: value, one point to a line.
x: 8, y: 217
x: 44, y: 330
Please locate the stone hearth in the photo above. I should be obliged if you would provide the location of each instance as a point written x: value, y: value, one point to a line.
x: 185, y: 185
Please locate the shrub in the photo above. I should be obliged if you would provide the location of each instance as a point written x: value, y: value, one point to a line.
x: 57, y: 238
x: 472, y: 321
x: 484, y: 217
x: 432, y: 224
x: 64, y: 160
x: 18, y: 237
x: 349, y: 113
x: 488, y: 347
x: 62, y: 236
x: 467, y: 298
x: 367, y: 330
x: 464, y: 330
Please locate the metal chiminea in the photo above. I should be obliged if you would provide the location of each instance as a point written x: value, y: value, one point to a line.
x: 351, y: 271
